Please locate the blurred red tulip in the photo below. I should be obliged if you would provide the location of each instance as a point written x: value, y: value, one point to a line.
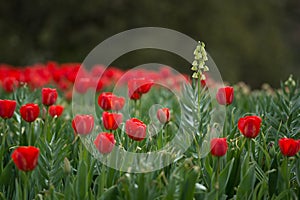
x: 7, y: 108
x: 109, y: 101
x: 83, y: 124
x: 9, y: 84
x: 225, y: 95
x: 135, y: 129
x: 29, y: 112
x: 163, y: 115
x: 249, y: 126
x: 218, y: 147
x: 49, y: 96
x: 288, y: 146
x: 105, y: 142
x: 56, y: 110
x: 111, y: 121
x: 139, y: 86
x: 26, y: 158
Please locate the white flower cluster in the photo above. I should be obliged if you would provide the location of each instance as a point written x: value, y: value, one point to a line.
x: 198, y: 65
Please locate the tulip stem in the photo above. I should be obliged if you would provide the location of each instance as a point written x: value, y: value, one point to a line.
x: 217, y: 177
x: 46, y: 125
x: 250, y: 150
x: 2, y: 149
x: 287, y: 174
x: 30, y: 132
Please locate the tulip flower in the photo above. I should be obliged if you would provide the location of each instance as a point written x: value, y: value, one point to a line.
x: 83, y: 124
x: 105, y: 142
x: 82, y: 85
x: 218, y: 147
x: 135, y: 129
x: 288, y: 146
x: 7, y: 108
x: 225, y: 95
x: 163, y: 115
x: 117, y: 103
x: 49, y: 96
x: 249, y: 126
x: 109, y: 101
x: 111, y: 121
x: 10, y: 84
x: 138, y: 86
x: 56, y: 110
x: 29, y: 112
x: 26, y: 158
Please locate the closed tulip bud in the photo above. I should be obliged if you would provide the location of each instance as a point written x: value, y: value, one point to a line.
x: 105, y: 100
x: 288, y: 146
x: 26, y: 158
x: 218, y: 147
x: 249, y: 126
x: 163, y: 115
x: 56, y: 110
x: 135, y: 129
x: 7, y: 108
x: 83, y: 124
x: 111, y: 121
x: 29, y: 112
x: 49, y: 96
x: 67, y: 166
x: 225, y: 95
x: 105, y: 142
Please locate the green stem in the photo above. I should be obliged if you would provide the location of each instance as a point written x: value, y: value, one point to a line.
x: 30, y: 132
x: 217, y: 177
x: 45, y: 131
x: 3, y: 144
x: 287, y: 174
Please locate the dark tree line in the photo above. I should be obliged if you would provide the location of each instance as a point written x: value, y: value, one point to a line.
x: 252, y: 41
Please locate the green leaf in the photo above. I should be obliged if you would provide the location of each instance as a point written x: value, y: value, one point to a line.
x: 225, y: 175
x: 273, y: 177
x: 82, y: 186
x: 110, y: 193
x: 6, y: 176
x: 188, y: 188
x: 247, y: 183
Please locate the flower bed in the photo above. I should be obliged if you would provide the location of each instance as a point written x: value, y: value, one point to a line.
x: 255, y: 156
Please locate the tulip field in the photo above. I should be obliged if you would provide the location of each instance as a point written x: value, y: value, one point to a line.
x: 254, y: 156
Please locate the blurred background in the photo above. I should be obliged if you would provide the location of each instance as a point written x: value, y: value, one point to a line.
x: 250, y: 41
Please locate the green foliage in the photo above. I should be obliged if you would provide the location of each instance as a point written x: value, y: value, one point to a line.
x: 66, y: 170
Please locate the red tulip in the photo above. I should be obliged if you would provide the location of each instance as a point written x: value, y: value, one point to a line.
x: 139, y: 86
x: 111, y: 121
x: 249, y: 126
x: 218, y: 146
x: 109, y: 101
x: 105, y: 99
x: 105, y: 142
x: 56, y: 110
x: 288, y: 146
x: 225, y: 95
x: 29, y: 112
x: 10, y: 84
x: 83, y: 124
x: 134, y: 95
x: 49, y: 96
x: 7, y: 108
x: 26, y: 158
x: 82, y: 85
x: 135, y: 129
x: 163, y: 115
x: 117, y: 103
